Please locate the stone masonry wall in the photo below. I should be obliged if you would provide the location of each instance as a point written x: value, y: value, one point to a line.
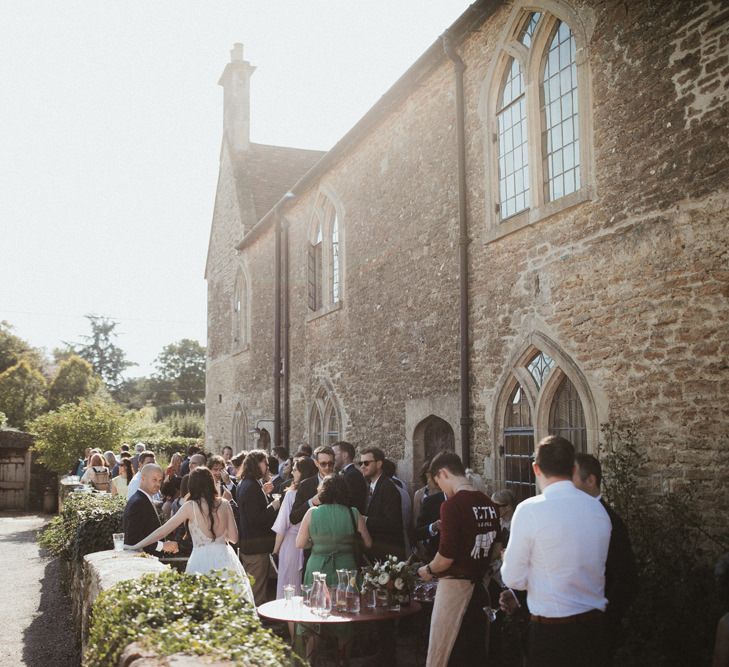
x: 631, y: 285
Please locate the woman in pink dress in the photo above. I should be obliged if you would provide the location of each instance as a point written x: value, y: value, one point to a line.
x: 290, y: 559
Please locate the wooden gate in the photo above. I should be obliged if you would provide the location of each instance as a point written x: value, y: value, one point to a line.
x: 14, y: 476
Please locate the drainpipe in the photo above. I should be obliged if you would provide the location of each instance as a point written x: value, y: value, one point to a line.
x: 463, y: 241
x: 277, y: 334
x: 286, y: 430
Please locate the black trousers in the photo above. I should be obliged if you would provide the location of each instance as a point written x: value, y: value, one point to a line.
x: 471, y: 644
x: 581, y: 644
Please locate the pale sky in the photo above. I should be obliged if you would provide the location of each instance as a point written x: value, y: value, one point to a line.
x: 110, y: 128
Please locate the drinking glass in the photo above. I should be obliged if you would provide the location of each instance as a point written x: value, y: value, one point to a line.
x: 306, y: 594
x: 118, y: 541
x: 288, y: 592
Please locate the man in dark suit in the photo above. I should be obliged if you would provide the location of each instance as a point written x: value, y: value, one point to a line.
x: 384, y: 508
x: 140, y: 516
x: 344, y: 464
x: 427, y: 524
x: 306, y: 493
x: 621, y: 574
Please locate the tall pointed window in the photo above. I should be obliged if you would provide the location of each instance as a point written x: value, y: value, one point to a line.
x: 324, y: 419
x: 325, y: 269
x: 240, y: 311
x: 537, y: 120
x: 240, y: 429
x: 539, y: 398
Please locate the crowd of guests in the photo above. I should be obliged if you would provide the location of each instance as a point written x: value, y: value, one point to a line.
x: 559, y: 563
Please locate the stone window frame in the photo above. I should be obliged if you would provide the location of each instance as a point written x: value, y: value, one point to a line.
x: 239, y: 426
x: 319, y: 270
x: 532, y: 64
x: 540, y: 399
x: 324, y: 406
x: 241, y: 316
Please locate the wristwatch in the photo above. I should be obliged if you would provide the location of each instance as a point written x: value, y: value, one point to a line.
x: 430, y: 572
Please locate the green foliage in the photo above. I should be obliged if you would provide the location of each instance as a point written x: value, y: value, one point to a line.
x: 22, y: 390
x: 14, y: 349
x: 142, y: 425
x: 166, y: 447
x: 100, y: 350
x: 186, y: 424
x: 673, y: 618
x: 86, y: 525
x: 74, y: 380
x: 63, y: 435
x: 181, y: 372
x: 179, y: 613
x: 3, y: 419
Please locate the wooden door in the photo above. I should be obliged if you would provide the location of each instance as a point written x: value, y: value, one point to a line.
x: 13, y: 474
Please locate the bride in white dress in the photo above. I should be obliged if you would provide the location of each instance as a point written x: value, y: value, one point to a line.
x: 212, y: 525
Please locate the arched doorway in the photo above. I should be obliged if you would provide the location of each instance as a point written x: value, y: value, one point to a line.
x: 432, y: 435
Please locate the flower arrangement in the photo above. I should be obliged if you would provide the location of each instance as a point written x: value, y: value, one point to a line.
x: 392, y: 576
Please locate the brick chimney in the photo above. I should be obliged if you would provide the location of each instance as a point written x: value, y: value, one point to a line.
x: 236, y: 82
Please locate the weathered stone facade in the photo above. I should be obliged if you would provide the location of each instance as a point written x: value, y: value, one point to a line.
x: 623, y: 284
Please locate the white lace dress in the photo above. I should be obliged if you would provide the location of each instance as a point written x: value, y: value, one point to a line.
x: 210, y: 554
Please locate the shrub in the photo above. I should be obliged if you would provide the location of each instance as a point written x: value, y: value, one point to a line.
x: 74, y: 380
x: 180, y: 613
x: 673, y: 617
x: 86, y: 525
x: 62, y: 436
x: 142, y: 425
x: 186, y: 424
x: 166, y: 447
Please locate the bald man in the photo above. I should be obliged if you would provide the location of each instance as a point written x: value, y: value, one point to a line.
x: 140, y: 514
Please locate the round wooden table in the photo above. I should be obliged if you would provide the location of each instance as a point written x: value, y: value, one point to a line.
x: 294, y: 611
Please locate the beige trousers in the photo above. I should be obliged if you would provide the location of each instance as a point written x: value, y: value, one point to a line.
x: 451, y: 600
x: 257, y: 566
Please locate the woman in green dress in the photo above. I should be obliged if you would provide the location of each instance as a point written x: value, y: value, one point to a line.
x: 328, y: 529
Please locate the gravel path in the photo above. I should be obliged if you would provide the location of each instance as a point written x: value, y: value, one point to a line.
x: 36, y: 629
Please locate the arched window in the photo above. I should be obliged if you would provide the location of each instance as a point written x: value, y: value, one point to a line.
x: 543, y: 393
x: 534, y: 103
x: 324, y: 419
x: 240, y: 429
x: 324, y: 274
x: 240, y: 310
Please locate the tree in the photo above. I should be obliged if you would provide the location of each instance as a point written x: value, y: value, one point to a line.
x: 22, y: 390
x: 62, y: 436
x: 100, y: 350
x: 14, y: 349
x: 181, y: 371
x: 74, y: 380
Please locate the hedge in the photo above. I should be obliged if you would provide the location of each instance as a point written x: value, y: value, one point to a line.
x: 172, y: 613
x: 168, y: 446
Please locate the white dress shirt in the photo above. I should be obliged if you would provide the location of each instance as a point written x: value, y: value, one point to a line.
x: 557, y: 551
x: 133, y: 485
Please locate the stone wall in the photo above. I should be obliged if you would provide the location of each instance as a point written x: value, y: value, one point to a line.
x: 627, y: 288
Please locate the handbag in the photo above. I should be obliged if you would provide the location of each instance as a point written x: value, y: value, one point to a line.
x: 359, y: 548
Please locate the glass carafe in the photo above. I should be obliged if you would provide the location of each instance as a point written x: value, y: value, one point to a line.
x: 322, y: 603
x: 352, y: 592
x: 340, y: 599
x: 315, y: 585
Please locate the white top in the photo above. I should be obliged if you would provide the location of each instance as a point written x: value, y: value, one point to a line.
x: 133, y: 484
x: 557, y: 551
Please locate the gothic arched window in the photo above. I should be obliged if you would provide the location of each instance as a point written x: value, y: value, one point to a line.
x: 324, y: 419
x: 535, y: 110
x: 540, y: 397
x: 240, y: 310
x: 240, y: 429
x: 324, y: 273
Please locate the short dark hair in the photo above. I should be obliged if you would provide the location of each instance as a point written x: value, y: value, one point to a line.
x: 588, y: 465
x: 238, y: 459
x: 146, y: 454
x: 227, y: 447
x: 448, y: 460
x: 125, y: 455
x: 250, y: 464
x: 304, y: 449
x: 125, y: 447
x: 216, y: 459
x: 334, y: 490
x: 280, y: 453
x: 306, y: 466
x: 273, y: 464
x: 555, y: 456
x: 193, y: 449
x: 346, y: 447
x: 376, y: 452
x: 389, y: 468
x: 324, y: 449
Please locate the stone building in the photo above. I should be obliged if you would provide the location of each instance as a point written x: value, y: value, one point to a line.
x: 526, y: 234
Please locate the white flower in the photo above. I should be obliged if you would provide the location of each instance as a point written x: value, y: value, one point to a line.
x: 383, y: 579
x: 399, y: 583
x: 399, y: 567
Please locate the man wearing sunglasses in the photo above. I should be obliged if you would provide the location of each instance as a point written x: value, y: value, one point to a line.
x: 384, y: 507
x: 306, y: 493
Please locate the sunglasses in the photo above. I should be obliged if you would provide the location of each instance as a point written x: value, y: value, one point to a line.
x: 326, y: 464
x: 365, y: 463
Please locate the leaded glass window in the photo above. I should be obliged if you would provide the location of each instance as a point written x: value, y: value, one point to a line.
x: 539, y: 368
x: 240, y: 304
x: 529, y: 27
x: 513, y: 145
x: 560, y: 120
x: 335, y: 259
x: 325, y: 423
x: 519, y: 446
x: 567, y: 417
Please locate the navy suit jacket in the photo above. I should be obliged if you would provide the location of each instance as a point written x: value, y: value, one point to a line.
x: 357, y: 486
x: 255, y: 518
x: 140, y: 520
x: 384, y: 521
x: 621, y: 574
x: 305, y: 492
x: 429, y: 513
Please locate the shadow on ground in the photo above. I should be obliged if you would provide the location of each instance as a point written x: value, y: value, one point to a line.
x: 50, y: 640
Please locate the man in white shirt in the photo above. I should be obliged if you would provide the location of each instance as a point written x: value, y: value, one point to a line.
x: 133, y: 486
x: 557, y: 552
